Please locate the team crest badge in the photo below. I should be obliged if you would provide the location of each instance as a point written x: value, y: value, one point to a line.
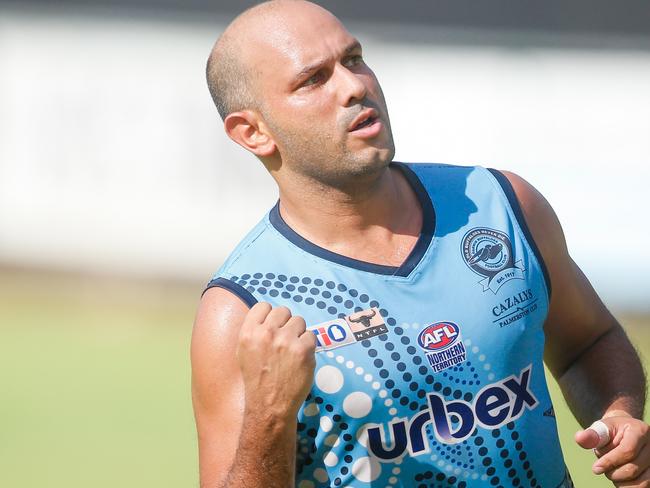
x: 488, y: 253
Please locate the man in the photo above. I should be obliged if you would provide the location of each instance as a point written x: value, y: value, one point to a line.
x: 385, y: 323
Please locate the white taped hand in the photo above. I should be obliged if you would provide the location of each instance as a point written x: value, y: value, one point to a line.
x: 603, y: 432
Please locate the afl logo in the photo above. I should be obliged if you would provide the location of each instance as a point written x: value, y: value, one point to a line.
x: 438, y: 336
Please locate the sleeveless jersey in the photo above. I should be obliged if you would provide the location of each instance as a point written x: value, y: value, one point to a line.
x: 429, y: 374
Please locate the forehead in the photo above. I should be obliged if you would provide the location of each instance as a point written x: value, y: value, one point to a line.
x: 299, y: 40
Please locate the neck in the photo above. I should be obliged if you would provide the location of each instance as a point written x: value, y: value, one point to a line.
x: 377, y: 220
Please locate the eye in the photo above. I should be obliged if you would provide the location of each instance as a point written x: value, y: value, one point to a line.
x: 355, y: 60
x: 313, y: 79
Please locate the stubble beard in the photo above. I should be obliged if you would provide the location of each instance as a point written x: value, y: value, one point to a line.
x: 328, y: 162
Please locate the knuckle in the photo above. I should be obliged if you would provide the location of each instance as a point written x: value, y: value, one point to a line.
x: 607, y: 466
x: 308, y: 339
x: 279, y: 315
x: 299, y: 319
x: 282, y: 342
x: 297, y: 349
x: 624, y: 473
x: 246, y: 327
x: 248, y: 340
x: 631, y: 471
x: 645, y: 429
x: 245, y: 336
x: 257, y: 314
x: 283, y: 310
x: 261, y: 307
x: 305, y: 342
x: 266, y: 335
x: 627, y: 454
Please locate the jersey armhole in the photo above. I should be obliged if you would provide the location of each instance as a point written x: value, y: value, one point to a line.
x: 242, y: 293
x: 509, y: 192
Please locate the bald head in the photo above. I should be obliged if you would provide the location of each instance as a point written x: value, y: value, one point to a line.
x: 292, y: 86
x: 231, y: 69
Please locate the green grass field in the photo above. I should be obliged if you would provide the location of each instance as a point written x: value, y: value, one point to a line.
x: 95, y: 382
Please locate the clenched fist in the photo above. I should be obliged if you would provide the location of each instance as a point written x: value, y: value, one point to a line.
x: 276, y: 357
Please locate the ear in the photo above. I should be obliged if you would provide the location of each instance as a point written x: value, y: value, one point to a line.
x: 249, y: 131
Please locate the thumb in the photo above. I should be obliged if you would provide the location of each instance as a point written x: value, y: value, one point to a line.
x: 587, y: 439
x: 596, y: 435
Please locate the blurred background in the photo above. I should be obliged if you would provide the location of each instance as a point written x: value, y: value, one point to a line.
x: 117, y: 186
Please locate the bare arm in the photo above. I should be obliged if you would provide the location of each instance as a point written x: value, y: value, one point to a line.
x: 249, y: 371
x: 589, y: 354
x: 587, y: 350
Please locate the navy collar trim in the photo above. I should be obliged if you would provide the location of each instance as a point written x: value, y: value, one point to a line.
x: 418, y: 251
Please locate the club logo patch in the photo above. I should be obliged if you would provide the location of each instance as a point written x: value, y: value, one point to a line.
x: 348, y: 330
x: 443, y: 345
x: 366, y: 324
x: 488, y: 253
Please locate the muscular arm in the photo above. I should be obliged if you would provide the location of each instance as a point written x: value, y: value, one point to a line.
x: 245, y: 406
x: 586, y: 350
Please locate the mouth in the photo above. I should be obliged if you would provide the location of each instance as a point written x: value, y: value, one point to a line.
x: 365, y: 119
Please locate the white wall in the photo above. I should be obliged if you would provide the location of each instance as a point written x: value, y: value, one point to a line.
x: 112, y: 156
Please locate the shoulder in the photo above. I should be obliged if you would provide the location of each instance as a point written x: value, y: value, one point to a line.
x: 577, y: 316
x: 541, y: 219
x: 214, y: 338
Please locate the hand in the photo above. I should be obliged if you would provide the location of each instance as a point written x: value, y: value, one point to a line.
x: 276, y: 358
x: 625, y: 459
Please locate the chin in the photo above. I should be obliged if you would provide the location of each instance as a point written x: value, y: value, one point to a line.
x: 379, y: 156
x: 379, y: 149
x: 370, y: 165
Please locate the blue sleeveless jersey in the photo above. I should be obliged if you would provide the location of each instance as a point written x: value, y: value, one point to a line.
x: 429, y: 374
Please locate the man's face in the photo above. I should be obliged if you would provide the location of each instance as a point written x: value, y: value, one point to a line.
x: 323, y: 104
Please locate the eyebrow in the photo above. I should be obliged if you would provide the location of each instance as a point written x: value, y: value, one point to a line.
x: 314, y: 66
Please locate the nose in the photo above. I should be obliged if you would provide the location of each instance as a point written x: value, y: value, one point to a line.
x: 352, y: 87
